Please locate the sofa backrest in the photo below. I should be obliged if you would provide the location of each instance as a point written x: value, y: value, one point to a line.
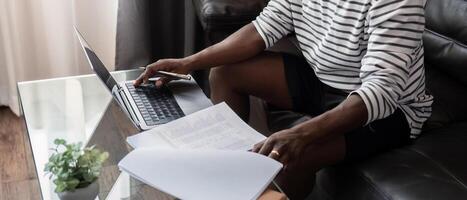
x: 445, y: 42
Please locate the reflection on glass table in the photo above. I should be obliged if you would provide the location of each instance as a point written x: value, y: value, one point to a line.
x: 80, y: 109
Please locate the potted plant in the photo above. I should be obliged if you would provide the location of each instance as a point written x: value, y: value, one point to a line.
x: 75, y: 170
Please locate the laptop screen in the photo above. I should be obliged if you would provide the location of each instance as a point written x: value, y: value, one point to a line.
x: 96, y: 64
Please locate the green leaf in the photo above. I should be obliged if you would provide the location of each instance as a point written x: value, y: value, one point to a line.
x: 60, y: 187
x: 88, y: 177
x: 59, y: 142
x: 48, y: 167
x: 53, y: 158
x: 76, y: 155
x: 83, y: 184
x: 102, y: 157
x: 71, y: 184
x: 78, y: 146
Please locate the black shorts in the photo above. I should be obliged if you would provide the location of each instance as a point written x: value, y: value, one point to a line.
x: 312, y: 97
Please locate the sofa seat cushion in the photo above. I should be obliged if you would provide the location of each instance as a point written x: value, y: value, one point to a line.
x: 227, y: 14
x: 278, y: 119
x: 434, y: 167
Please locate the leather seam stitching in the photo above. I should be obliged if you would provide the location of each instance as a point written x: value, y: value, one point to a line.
x: 446, y: 37
x: 441, y: 167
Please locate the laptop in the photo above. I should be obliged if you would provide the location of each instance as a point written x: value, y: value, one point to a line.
x: 146, y: 106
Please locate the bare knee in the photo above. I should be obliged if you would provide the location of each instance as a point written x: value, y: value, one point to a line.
x: 297, y: 179
x: 220, y: 78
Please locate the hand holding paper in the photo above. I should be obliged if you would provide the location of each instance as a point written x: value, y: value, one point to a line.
x: 205, y: 157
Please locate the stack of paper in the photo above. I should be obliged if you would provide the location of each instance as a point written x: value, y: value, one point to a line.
x: 202, y: 174
x: 204, y: 157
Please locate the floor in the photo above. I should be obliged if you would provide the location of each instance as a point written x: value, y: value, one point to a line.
x: 18, y: 179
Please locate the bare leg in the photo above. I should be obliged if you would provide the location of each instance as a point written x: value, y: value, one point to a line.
x: 262, y: 76
x: 298, y: 178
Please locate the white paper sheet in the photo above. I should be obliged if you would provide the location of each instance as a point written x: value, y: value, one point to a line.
x: 202, y: 174
x: 216, y: 127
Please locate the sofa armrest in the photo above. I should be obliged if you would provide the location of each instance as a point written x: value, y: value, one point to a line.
x: 227, y: 14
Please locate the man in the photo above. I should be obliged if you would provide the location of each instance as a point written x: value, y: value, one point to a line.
x: 361, y: 77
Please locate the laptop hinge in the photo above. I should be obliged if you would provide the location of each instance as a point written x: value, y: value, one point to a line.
x: 129, y: 107
x: 121, y: 99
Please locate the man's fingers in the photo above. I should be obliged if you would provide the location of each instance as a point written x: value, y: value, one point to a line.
x: 267, y: 147
x: 162, y: 81
x: 144, y: 77
x: 148, y: 74
x: 139, y: 80
x: 257, y: 146
x: 274, y: 154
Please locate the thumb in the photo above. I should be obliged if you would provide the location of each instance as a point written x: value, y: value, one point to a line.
x: 162, y: 81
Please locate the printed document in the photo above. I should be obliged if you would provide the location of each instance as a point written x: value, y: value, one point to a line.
x: 216, y: 127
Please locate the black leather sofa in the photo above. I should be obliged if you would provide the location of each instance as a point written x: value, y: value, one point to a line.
x: 435, y: 165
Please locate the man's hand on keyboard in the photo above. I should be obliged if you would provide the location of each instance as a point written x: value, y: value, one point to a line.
x: 170, y: 65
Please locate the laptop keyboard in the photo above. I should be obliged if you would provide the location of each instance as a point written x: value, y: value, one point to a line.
x: 158, y: 106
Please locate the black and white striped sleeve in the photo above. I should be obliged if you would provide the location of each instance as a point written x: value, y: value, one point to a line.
x: 395, y: 32
x: 274, y: 22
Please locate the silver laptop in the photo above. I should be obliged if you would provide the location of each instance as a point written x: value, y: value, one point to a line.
x: 146, y: 105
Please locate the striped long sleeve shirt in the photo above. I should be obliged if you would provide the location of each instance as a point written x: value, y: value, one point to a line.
x: 372, y: 48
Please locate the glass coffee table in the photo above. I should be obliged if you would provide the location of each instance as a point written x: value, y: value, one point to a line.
x: 80, y: 109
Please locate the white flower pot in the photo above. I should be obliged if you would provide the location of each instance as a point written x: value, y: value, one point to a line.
x: 87, y: 193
